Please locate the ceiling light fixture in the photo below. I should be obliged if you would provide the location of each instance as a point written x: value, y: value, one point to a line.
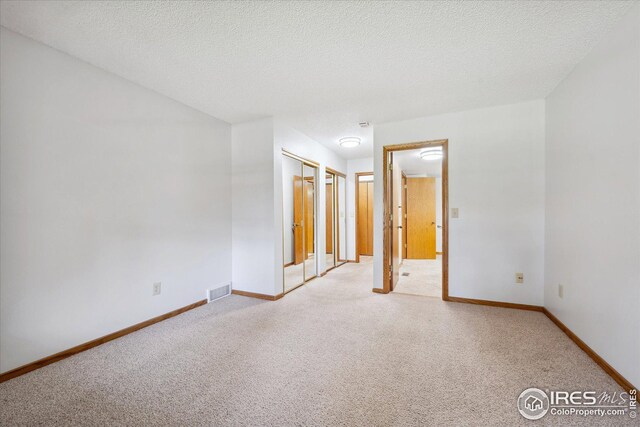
x: 434, y: 153
x: 349, y: 141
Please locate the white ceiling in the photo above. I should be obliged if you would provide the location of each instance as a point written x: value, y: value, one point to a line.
x: 412, y: 164
x: 325, y: 66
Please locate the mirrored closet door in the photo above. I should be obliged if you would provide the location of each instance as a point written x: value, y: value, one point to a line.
x: 299, y: 192
x: 330, y: 208
x: 335, y: 217
x: 341, y: 213
x: 310, y: 244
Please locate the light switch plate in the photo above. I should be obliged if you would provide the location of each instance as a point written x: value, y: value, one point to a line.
x: 519, y: 277
x: 454, y: 212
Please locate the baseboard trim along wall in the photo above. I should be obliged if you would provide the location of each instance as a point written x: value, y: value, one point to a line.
x: 257, y: 295
x: 495, y: 303
x: 624, y: 383
x: 94, y: 343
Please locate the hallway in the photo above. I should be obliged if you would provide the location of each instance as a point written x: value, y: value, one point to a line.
x: 420, y: 277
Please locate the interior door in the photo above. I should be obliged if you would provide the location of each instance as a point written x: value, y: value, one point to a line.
x: 297, y: 220
x: 396, y: 222
x: 421, y: 218
x: 365, y: 217
x: 329, y: 218
x: 309, y: 223
x: 404, y: 216
x: 370, y: 218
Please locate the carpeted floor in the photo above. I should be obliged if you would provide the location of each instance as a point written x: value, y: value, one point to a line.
x: 425, y: 277
x: 329, y: 353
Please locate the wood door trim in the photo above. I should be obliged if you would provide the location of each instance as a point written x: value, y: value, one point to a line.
x: 386, y: 229
x: 357, y: 181
x: 302, y: 159
x: 21, y: 370
x: 335, y: 172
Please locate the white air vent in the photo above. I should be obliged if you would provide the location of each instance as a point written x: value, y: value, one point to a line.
x: 220, y: 292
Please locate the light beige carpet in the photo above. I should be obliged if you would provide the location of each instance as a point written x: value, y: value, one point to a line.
x: 329, y: 353
x: 425, y: 277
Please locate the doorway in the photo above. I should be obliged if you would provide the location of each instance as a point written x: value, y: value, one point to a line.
x: 364, y: 214
x: 415, y: 232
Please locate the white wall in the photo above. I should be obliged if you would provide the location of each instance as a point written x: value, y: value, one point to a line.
x: 354, y: 166
x: 253, y: 234
x: 105, y: 188
x: 593, y: 199
x: 496, y: 179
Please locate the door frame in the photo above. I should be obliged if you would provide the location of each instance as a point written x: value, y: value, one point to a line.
x: 403, y: 187
x: 336, y: 219
x: 357, y: 194
x: 387, y: 224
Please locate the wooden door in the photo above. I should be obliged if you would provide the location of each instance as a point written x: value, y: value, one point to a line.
x: 421, y: 218
x: 404, y: 216
x: 297, y: 220
x: 365, y: 218
x: 309, y: 224
x: 329, y: 218
x: 370, y: 218
x: 396, y: 221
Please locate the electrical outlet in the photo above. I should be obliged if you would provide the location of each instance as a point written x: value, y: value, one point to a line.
x: 454, y: 212
x: 157, y: 288
x: 561, y: 291
x: 519, y: 277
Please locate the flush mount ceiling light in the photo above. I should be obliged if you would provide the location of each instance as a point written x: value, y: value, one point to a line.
x: 434, y: 153
x: 349, y: 141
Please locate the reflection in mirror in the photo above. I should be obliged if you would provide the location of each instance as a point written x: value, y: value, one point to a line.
x: 341, y: 209
x: 309, y: 184
x: 292, y: 217
x: 330, y: 221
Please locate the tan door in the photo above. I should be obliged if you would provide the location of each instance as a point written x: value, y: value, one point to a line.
x: 370, y: 218
x: 365, y: 218
x: 297, y: 220
x: 308, y: 219
x: 329, y: 218
x: 404, y: 216
x: 395, y: 230
x: 421, y: 218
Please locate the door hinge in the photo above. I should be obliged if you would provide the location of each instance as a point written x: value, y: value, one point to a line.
x: 391, y: 218
x: 390, y: 166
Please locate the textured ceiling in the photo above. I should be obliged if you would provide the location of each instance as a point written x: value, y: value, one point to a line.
x: 326, y: 65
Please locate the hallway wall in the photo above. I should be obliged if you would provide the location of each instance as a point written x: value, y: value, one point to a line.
x: 593, y: 199
x: 496, y: 179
